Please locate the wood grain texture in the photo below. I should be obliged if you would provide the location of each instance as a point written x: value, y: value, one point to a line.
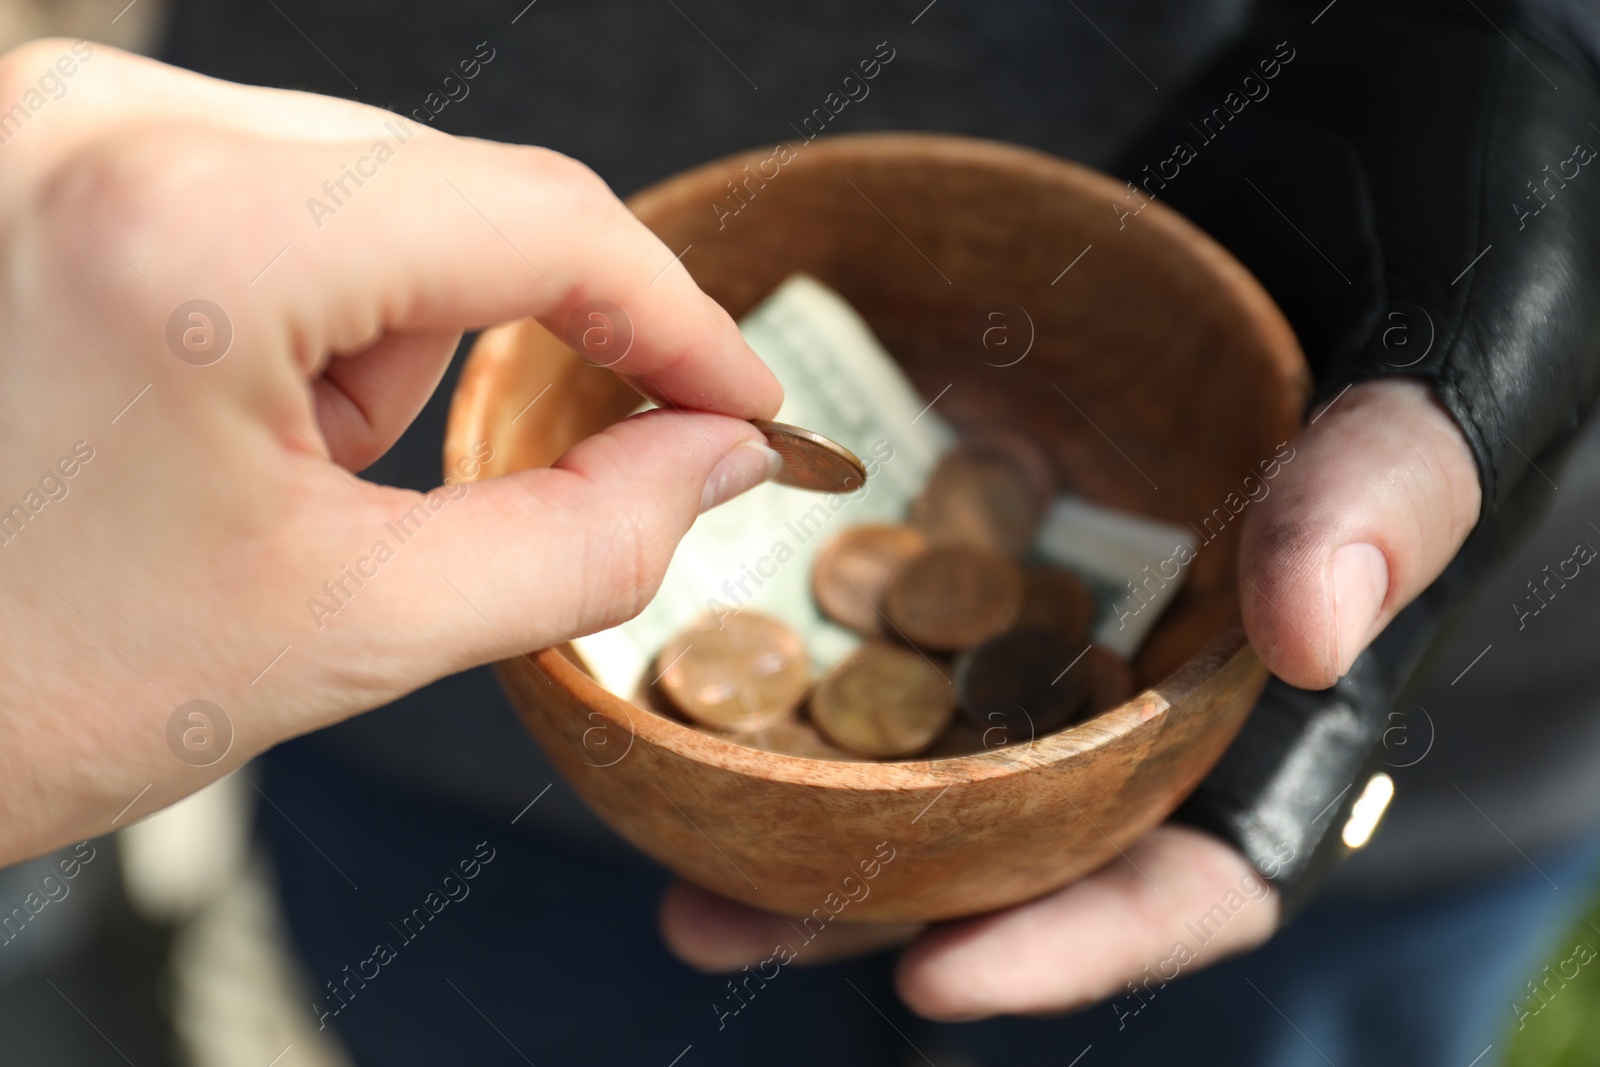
x: 1160, y: 375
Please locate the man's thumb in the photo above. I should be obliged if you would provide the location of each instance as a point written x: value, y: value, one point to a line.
x: 1379, y: 496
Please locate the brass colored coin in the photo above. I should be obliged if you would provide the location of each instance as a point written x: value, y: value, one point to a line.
x: 1110, y: 680
x: 745, y: 674
x: 883, y: 701
x: 1054, y: 598
x: 811, y: 461
x: 853, y: 571
x: 990, y: 491
x: 953, y: 597
x: 791, y: 738
x: 1024, y: 684
x: 788, y: 736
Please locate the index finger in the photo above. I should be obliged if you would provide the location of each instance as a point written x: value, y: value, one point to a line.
x: 492, y: 232
x: 388, y: 227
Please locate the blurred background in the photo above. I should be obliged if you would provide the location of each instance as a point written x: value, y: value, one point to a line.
x: 167, y: 945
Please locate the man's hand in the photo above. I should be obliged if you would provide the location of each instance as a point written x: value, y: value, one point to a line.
x: 176, y: 487
x: 1062, y: 951
x: 1467, y: 319
x: 1378, y: 497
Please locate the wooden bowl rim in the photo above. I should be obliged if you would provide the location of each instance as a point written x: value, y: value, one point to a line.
x: 1143, y: 711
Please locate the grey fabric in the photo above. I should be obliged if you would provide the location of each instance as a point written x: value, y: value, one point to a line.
x: 639, y: 91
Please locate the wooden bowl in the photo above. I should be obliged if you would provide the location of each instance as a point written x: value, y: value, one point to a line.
x: 1160, y: 376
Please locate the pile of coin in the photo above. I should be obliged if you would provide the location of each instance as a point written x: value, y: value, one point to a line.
x: 969, y: 644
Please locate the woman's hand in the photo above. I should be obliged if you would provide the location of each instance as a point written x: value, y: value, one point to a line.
x: 219, y: 302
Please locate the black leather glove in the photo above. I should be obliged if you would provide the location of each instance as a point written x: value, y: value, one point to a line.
x: 1412, y: 182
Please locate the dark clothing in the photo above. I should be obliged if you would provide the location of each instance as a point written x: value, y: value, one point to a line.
x: 549, y: 955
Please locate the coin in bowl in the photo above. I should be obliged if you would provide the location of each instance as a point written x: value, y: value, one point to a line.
x: 1054, y: 598
x: 990, y: 491
x: 953, y: 597
x: 965, y: 739
x: 791, y: 738
x: 738, y: 673
x: 883, y: 701
x: 853, y: 571
x: 1027, y: 683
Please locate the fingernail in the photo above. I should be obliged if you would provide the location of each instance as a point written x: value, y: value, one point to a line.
x: 743, y: 467
x: 1360, y: 584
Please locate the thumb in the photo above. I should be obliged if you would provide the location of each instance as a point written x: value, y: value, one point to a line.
x: 535, y: 558
x: 1378, y: 496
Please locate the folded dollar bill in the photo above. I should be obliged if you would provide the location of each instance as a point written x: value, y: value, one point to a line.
x: 1134, y: 565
